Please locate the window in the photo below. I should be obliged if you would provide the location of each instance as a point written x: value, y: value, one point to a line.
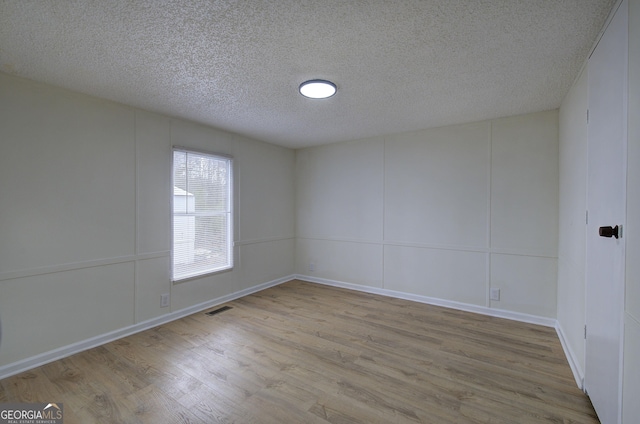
x: 202, y: 214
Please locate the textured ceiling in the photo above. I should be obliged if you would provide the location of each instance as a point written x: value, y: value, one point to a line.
x: 399, y: 65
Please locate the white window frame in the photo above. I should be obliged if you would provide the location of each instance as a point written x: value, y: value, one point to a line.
x: 229, y: 213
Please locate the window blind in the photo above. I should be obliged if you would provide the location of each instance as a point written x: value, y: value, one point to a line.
x: 202, y: 214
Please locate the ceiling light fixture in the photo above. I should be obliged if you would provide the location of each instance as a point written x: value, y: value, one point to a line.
x: 317, y: 89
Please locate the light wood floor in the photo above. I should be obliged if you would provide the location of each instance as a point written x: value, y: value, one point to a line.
x: 305, y: 353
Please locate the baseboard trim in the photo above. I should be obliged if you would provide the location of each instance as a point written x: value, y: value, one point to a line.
x: 62, y: 352
x: 499, y: 313
x: 576, y: 369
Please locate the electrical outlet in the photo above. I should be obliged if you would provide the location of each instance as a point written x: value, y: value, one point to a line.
x: 494, y: 294
x: 164, y: 300
x: 312, y: 267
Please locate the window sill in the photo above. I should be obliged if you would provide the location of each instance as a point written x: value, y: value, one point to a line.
x: 199, y: 276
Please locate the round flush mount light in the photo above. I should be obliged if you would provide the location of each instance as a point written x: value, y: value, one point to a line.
x: 317, y: 89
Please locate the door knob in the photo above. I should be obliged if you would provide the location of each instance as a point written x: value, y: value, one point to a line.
x: 609, y: 231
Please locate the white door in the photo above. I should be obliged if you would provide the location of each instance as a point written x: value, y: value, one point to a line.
x: 606, y: 202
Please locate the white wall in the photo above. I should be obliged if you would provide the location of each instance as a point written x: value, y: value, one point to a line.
x: 444, y: 213
x: 339, y: 198
x: 631, y: 378
x: 572, y: 229
x: 85, y: 188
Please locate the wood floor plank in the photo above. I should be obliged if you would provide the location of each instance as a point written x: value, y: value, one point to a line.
x: 305, y: 353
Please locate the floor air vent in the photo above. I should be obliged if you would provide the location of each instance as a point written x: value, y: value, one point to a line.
x: 217, y: 311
